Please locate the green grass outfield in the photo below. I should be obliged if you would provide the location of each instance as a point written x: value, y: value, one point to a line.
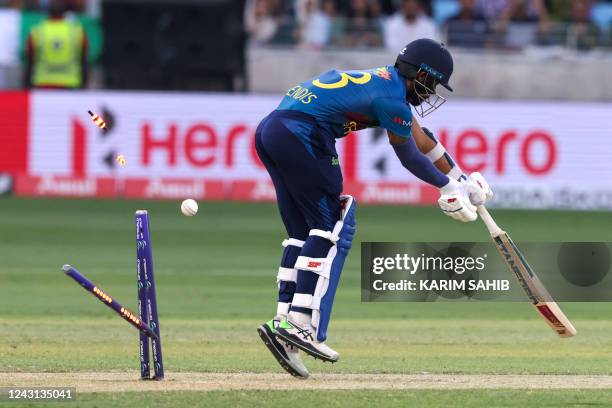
x: 215, y: 278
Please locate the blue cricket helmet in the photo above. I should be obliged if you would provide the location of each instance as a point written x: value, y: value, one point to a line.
x: 427, y: 55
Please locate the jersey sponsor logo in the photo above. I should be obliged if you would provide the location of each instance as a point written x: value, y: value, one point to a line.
x: 402, y: 122
x: 357, y: 121
x: 383, y: 73
x: 350, y: 126
x: 437, y: 74
x: 301, y: 94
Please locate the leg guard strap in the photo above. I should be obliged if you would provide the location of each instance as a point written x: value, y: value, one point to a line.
x: 293, y: 242
x: 286, y: 274
x: 329, y: 235
x: 307, y: 301
x: 282, y: 308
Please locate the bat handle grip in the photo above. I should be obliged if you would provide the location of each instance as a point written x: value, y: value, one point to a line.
x: 493, y: 228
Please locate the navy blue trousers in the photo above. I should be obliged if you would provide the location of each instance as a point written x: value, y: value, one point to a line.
x: 303, y: 164
x: 304, y: 168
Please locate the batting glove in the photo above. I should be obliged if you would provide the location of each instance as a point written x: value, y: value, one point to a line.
x: 478, y: 189
x: 455, y: 201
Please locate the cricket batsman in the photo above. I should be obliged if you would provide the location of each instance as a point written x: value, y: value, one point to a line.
x: 296, y: 143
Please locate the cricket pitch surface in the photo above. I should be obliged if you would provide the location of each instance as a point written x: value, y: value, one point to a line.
x: 197, y: 381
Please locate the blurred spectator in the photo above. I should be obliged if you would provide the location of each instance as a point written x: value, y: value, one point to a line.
x: 387, y: 7
x: 491, y: 10
x: 468, y: 27
x: 533, y: 12
x: 316, y: 23
x: 260, y: 22
x: 562, y: 10
x: 384, y: 7
x: 516, y: 23
x: 526, y: 11
x: 580, y: 11
x: 408, y: 24
x: 77, y: 6
x: 303, y: 10
x: 56, y: 52
x: 467, y: 12
x: 362, y: 24
x: 583, y: 33
x: 280, y: 8
x: 19, y: 4
x: 504, y: 11
x: 10, y: 24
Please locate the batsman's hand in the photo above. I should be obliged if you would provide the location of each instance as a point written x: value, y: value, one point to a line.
x: 455, y: 201
x: 478, y: 189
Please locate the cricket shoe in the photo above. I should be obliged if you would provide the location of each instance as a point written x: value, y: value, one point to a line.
x: 287, y: 355
x: 303, y: 338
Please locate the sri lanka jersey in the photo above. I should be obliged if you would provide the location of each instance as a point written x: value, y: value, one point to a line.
x: 345, y: 101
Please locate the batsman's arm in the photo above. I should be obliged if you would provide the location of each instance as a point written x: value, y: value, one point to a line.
x: 435, y: 151
x: 478, y: 188
x: 396, y: 117
x: 415, y: 162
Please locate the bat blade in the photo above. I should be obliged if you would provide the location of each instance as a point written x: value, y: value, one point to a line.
x: 541, y: 300
x: 556, y: 319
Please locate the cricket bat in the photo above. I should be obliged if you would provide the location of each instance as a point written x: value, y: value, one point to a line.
x: 529, y: 281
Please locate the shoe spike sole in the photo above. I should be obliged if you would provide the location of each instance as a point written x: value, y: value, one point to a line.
x: 268, y: 342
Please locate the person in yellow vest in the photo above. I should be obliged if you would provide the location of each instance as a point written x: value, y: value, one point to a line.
x: 56, y: 52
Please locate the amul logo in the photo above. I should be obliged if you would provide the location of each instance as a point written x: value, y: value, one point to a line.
x: 129, y: 315
x: 102, y: 295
